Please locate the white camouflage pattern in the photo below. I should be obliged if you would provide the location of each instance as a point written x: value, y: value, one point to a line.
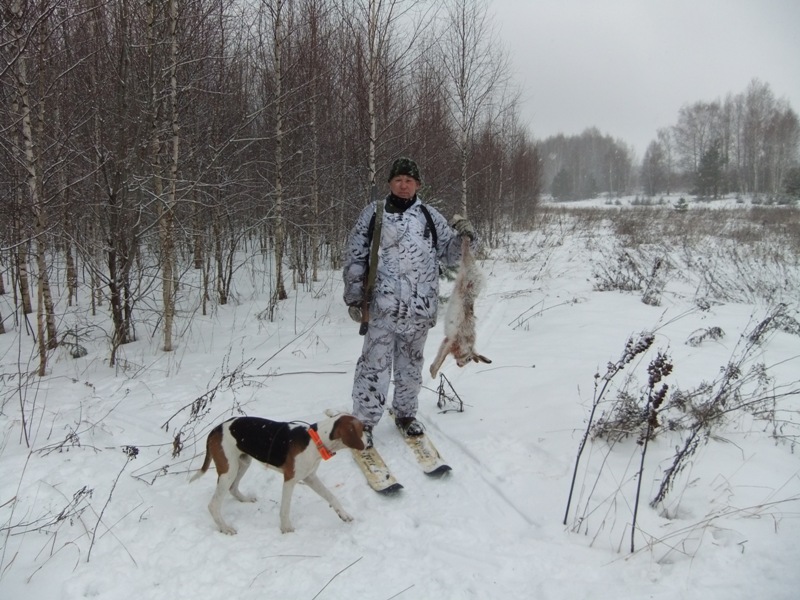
x: 403, y: 307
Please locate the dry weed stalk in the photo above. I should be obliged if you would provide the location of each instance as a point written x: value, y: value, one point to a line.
x: 633, y: 348
x: 45, y: 523
x: 743, y: 385
x: 737, y: 389
x: 131, y: 452
x: 200, y: 406
x: 658, y: 369
x: 701, y: 335
x: 643, y: 269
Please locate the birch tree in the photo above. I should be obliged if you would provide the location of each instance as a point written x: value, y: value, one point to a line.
x: 758, y: 138
x: 377, y: 38
x: 694, y: 132
x: 28, y: 40
x: 19, y: 246
x: 161, y: 33
x: 117, y: 131
x: 167, y: 221
x: 664, y: 138
x: 391, y: 38
x: 316, y: 44
x: 474, y: 69
x: 653, y: 173
x: 272, y: 39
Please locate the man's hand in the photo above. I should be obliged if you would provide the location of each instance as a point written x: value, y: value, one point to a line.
x: 462, y: 226
x: 355, y: 313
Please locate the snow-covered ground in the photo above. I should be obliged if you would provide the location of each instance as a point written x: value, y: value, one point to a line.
x: 82, y: 518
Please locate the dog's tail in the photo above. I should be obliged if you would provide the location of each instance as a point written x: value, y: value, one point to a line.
x: 215, y: 433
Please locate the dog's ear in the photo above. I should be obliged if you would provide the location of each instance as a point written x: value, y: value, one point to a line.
x: 481, y: 358
x: 350, y: 431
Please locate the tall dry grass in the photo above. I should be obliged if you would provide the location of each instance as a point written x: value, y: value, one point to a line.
x: 748, y: 255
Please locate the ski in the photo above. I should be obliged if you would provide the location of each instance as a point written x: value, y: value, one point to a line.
x: 426, y: 453
x: 378, y: 475
x: 377, y: 472
x: 371, y: 463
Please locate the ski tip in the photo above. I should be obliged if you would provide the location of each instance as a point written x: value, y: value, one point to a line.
x: 391, y: 490
x: 439, y: 471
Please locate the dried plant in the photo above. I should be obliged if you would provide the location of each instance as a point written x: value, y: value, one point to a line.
x: 659, y: 368
x: 655, y: 284
x: 50, y: 522
x: 200, y: 406
x: 622, y: 274
x: 706, y: 408
x: 131, y: 452
x: 633, y: 270
x: 742, y: 386
x: 701, y: 335
x: 633, y: 348
x: 777, y: 320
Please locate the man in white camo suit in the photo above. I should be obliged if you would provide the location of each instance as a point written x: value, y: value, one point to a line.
x: 404, y: 304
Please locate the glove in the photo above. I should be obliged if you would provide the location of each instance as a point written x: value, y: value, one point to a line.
x: 463, y: 227
x: 355, y: 313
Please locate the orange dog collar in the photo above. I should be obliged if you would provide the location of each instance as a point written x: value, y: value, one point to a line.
x: 323, y: 451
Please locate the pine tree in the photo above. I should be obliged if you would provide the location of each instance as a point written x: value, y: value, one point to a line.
x: 710, y: 172
x: 562, y: 186
x: 791, y: 183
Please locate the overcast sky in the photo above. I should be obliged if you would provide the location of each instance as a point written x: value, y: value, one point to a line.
x: 627, y: 66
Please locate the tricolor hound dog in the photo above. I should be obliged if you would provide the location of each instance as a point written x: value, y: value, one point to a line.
x: 291, y: 448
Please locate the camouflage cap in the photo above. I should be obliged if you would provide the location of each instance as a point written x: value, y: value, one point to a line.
x: 404, y: 166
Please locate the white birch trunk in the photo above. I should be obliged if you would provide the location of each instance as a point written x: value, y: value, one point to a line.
x: 168, y: 216
x: 44, y: 323
x: 280, y: 232
x: 372, y: 71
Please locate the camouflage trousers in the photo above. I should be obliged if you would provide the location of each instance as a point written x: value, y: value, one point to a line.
x: 386, y: 354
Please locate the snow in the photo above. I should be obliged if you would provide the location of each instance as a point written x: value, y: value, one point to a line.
x: 81, y: 518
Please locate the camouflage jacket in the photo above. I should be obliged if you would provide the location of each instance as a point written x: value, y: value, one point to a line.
x: 406, y: 295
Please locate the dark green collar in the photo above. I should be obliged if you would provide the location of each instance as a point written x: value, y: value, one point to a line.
x: 395, y: 204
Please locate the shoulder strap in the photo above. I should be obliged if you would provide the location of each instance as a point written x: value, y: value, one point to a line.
x: 431, y: 226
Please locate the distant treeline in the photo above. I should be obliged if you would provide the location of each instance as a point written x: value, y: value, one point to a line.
x: 749, y: 144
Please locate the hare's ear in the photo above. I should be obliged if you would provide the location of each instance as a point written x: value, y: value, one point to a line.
x: 481, y: 358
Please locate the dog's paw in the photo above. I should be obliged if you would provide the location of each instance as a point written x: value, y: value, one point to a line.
x: 227, y: 530
x: 344, y: 516
x: 286, y: 525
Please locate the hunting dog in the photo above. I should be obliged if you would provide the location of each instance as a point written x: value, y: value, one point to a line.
x: 291, y: 448
x: 459, y: 320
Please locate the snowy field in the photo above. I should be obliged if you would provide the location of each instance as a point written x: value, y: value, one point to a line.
x: 95, y: 505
